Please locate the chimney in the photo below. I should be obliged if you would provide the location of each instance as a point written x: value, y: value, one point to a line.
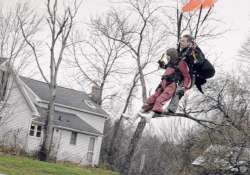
x: 96, y: 94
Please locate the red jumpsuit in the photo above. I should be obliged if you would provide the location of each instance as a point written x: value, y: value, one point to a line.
x: 166, y: 90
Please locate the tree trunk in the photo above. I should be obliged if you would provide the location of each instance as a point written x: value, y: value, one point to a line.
x: 132, y: 146
x: 112, y: 145
x: 44, y: 152
x: 141, y: 125
x: 60, y: 26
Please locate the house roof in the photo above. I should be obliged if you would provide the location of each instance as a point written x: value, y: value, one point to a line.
x: 64, y: 96
x: 67, y: 121
x: 2, y: 59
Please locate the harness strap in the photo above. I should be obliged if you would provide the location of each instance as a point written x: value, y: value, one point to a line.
x: 193, y: 54
x: 175, y: 76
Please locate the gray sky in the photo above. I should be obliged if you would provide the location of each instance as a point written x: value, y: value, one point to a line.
x: 234, y: 14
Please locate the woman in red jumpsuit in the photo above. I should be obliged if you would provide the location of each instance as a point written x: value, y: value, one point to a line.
x: 176, y: 73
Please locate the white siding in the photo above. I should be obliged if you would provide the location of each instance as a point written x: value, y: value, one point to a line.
x: 94, y: 121
x: 33, y: 144
x: 62, y: 150
x: 21, y: 118
x: 75, y: 153
x: 97, y: 150
x: 16, y: 123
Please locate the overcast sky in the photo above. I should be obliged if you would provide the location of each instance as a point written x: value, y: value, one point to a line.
x: 234, y: 14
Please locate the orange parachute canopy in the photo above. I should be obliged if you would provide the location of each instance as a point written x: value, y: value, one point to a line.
x: 207, y: 3
x: 195, y: 4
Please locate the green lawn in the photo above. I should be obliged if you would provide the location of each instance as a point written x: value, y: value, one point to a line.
x: 12, y: 165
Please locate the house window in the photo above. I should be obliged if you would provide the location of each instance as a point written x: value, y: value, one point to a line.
x: 39, y: 131
x: 36, y: 130
x: 73, y: 138
x: 91, y: 149
x: 32, y: 130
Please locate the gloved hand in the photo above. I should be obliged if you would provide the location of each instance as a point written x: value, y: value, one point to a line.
x: 161, y: 64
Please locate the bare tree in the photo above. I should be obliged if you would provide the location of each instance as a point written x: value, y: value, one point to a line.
x: 13, y: 48
x: 59, y: 26
x: 223, y: 121
x: 141, y: 125
x: 232, y: 104
x: 113, y: 147
x: 143, y: 38
x: 102, y: 63
x: 98, y: 60
x: 12, y: 44
x: 227, y: 110
x: 14, y: 52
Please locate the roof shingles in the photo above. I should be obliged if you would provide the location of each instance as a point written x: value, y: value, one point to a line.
x: 64, y: 96
x: 67, y: 120
x: 2, y: 60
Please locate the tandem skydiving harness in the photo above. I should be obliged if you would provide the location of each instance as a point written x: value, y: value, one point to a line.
x: 176, y: 76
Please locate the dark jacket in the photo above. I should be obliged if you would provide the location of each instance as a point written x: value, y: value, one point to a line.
x: 175, y: 69
x: 200, y: 68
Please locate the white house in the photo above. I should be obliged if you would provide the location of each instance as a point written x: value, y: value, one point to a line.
x: 78, y: 123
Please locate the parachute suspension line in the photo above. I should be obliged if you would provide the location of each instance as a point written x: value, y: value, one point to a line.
x: 203, y: 20
x: 179, y: 19
x: 179, y: 26
x: 177, y: 22
x: 192, y: 5
x: 198, y: 22
x: 205, y: 17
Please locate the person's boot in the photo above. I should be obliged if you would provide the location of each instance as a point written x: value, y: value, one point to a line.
x: 137, y: 114
x: 174, y: 103
x: 147, y: 116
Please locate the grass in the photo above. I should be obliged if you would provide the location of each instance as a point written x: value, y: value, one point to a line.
x: 12, y: 165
